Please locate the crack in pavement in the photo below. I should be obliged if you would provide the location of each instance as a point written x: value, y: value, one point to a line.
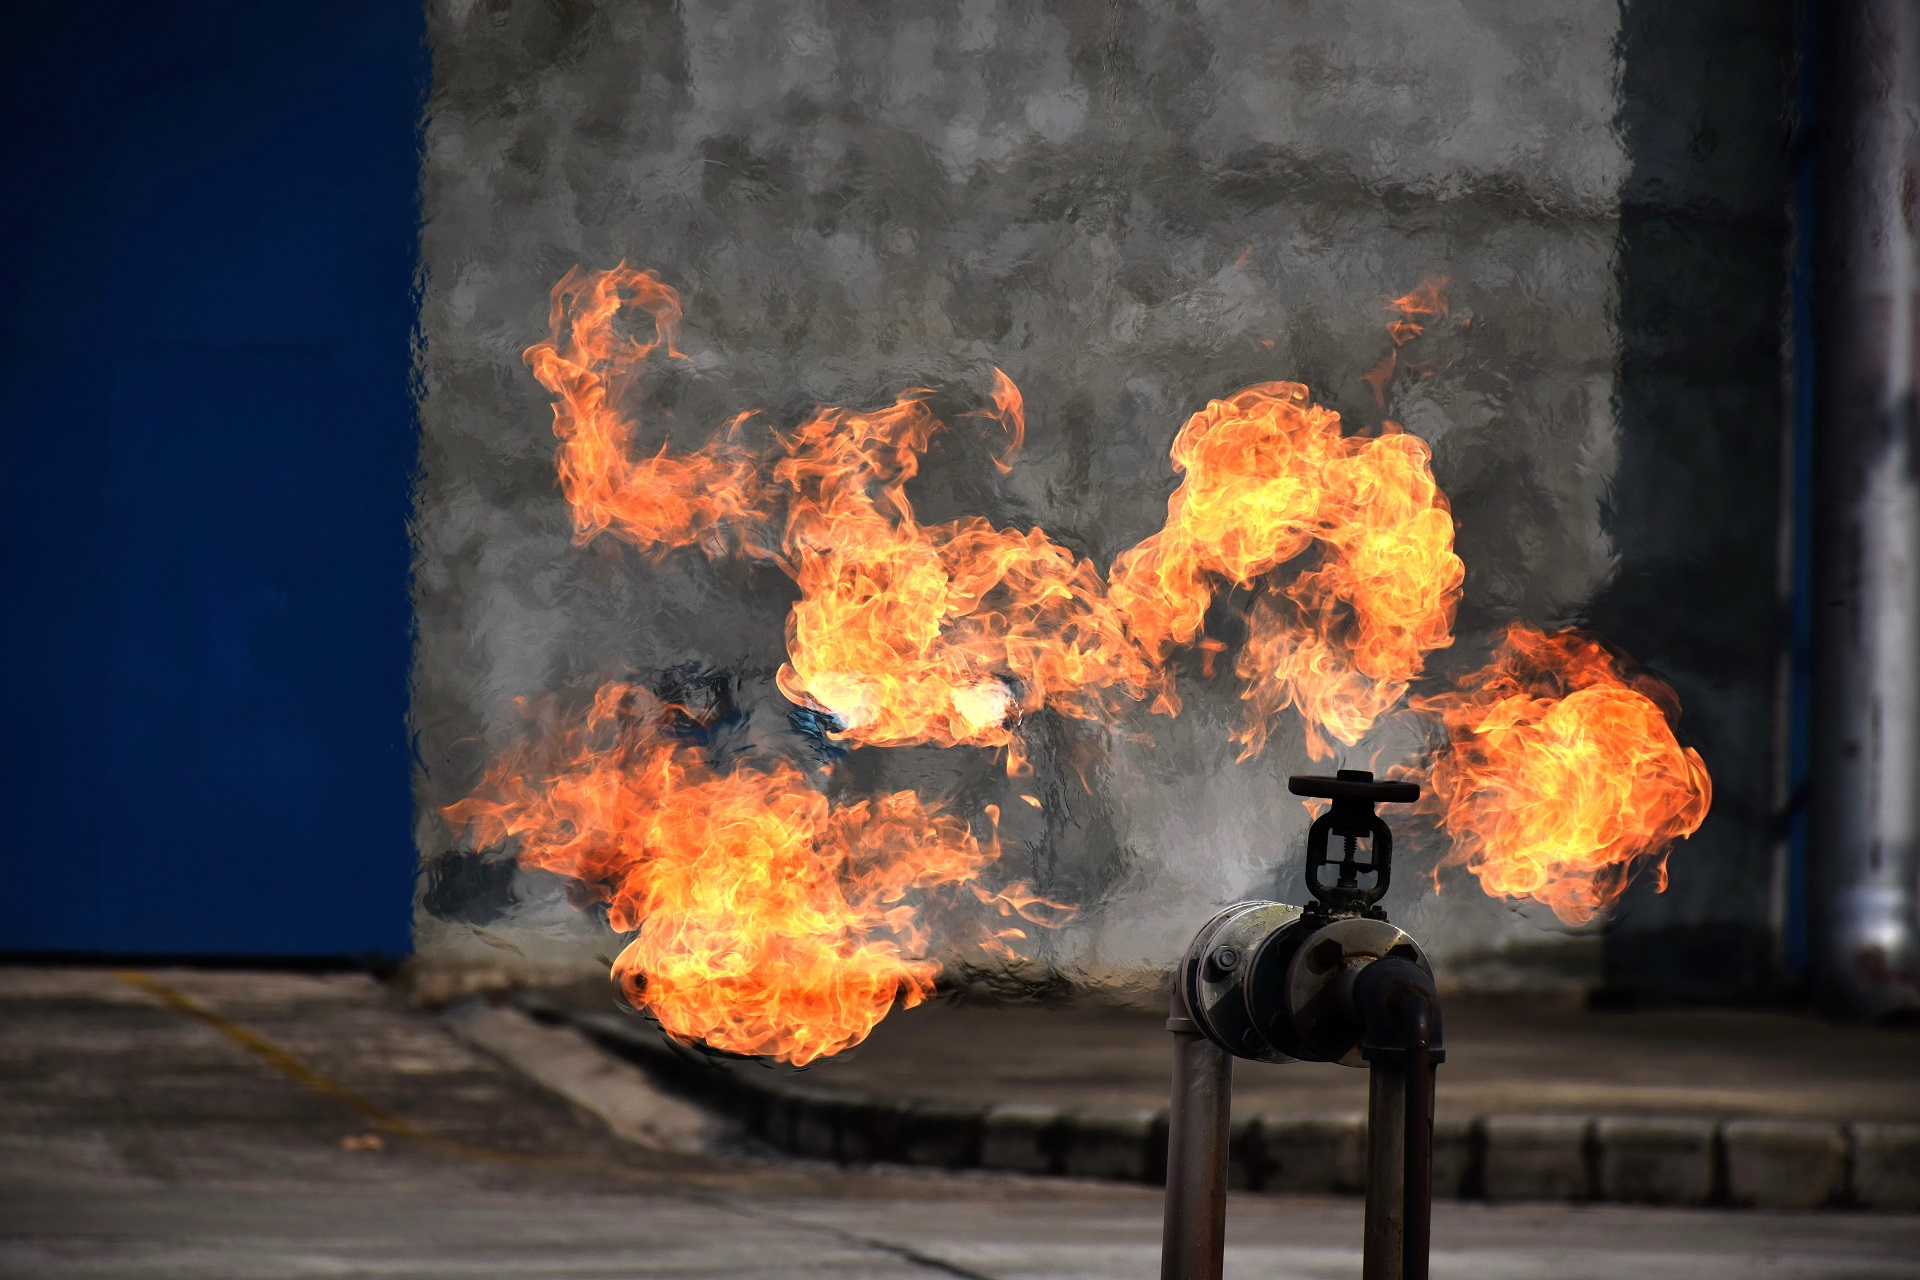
x: 905, y: 1252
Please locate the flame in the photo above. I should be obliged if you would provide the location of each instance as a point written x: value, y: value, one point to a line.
x: 1268, y: 475
x: 904, y: 633
x: 657, y: 502
x: 771, y: 920
x: 947, y: 634
x: 1011, y: 408
x: 1561, y: 777
x: 1427, y: 302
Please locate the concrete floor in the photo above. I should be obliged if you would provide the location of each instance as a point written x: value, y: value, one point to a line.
x: 1539, y: 1056
x: 318, y: 1127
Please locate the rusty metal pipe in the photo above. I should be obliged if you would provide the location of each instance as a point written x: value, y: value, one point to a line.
x: 1395, y: 1001
x: 1384, y: 1234
x: 1417, y: 1215
x: 1199, y: 1128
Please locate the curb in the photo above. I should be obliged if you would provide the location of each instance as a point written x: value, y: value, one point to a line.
x: 566, y: 1063
x: 1669, y: 1160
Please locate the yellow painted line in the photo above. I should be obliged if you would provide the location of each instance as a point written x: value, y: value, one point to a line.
x: 299, y: 1072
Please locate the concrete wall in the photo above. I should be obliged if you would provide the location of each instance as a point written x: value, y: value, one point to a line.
x: 1130, y: 208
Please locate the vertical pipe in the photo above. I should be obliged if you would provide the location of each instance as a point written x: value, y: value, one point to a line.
x: 1794, y: 758
x: 1417, y: 1225
x: 1867, y: 514
x: 1199, y: 1125
x: 1386, y: 1170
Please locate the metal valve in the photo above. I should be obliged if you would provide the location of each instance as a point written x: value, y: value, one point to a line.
x: 1329, y: 982
x: 1351, y: 817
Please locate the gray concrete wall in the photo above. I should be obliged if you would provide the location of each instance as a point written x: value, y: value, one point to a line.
x: 1130, y: 208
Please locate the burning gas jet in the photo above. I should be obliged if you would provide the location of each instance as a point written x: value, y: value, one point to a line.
x: 772, y: 921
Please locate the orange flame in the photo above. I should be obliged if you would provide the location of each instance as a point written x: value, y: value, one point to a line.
x: 1011, y: 408
x: 770, y: 920
x: 904, y: 633
x: 1267, y: 476
x: 1427, y: 301
x: 946, y: 633
x: 1561, y: 777
x: 658, y: 502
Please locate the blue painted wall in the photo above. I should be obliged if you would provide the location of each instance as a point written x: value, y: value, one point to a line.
x: 210, y: 237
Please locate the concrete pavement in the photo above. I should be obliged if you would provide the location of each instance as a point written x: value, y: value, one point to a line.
x: 141, y: 1140
x: 1538, y: 1056
x: 1540, y: 1099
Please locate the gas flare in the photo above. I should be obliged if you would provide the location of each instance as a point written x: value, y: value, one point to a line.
x: 1268, y: 475
x: 771, y: 920
x: 658, y: 502
x: 909, y: 633
x: 1561, y: 778
x: 904, y: 633
x: 948, y: 634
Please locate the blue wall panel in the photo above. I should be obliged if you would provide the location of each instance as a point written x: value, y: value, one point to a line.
x: 206, y: 290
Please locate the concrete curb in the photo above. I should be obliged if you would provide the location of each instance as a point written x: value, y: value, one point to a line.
x: 1678, y: 1160
x: 568, y: 1064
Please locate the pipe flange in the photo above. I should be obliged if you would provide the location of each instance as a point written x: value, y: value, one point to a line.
x: 1301, y: 993
x: 1213, y: 976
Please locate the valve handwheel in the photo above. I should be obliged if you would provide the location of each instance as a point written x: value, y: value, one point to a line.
x: 1354, y: 792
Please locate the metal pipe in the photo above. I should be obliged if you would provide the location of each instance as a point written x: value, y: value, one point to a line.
x: 1417, y: 1217
x: 1386, y: 1169
x: 1199, y: 1127
x: 1865, y: 839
